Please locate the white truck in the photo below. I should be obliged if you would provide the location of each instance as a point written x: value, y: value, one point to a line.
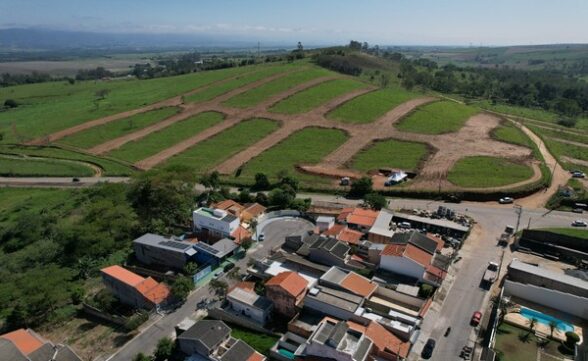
x: 491, y: 273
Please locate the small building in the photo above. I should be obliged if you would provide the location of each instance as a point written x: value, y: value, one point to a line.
x: 336, y: 303
x: 27, y: 345
x: 323, y: 223
x: 245, y: 302
x: 348, y: 281
x: 152, y: 249
x: 328, y: 251
x: 286, y: 290
x: 360, y: 219
x: 215, y: 223
x: 133, y: 289
x: 386, y: 345
x: 246, y: 213
x: 344, y: 234
x: 214, y: 254
x: 335, y: 340
x: 533, y: 275
x: 383, y: 229
x: 412, y: 261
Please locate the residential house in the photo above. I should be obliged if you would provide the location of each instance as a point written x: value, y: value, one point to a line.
x: 338, y: 278
x: 328, y: 251
x: 211, y: 340
x: 244, y: 301
x: 26, y: 345
x: 344, y: 234
x: 152, y: 249
x: 360, y: 219
x: 386, y: 345
x: 333, y: 302
x: 323, y: 223
x: 215, y: 223
x: 383, y: 228
x: 286, y: 290
x: 133, y: 289
x: 335, y: 340
x: 246, y: 213
x: 214, y: 254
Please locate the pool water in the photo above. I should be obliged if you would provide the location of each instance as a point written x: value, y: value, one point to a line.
x: 546, y: 319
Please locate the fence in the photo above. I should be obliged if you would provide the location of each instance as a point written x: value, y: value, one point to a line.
x: 220, y: 314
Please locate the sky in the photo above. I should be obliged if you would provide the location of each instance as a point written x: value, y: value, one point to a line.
x: 320, y: 22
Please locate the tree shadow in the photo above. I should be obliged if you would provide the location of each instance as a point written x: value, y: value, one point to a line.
x: 87, y: 326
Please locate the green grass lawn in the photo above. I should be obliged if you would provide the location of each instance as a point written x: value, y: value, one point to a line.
x: 165, y: 138
x: 259, y: 94
x: 390, y: 154
x: 309, y: 99
x: 371, y: 106
x: 509, y: 133
x: 110, y: 167
x: 260, y: 342
x: 437, y: 118
x: 306, y: 146
x: 216, y: 90
x: 36, y: 167
x: 14, y: 201
x: 480, y: 171
x: 572, y: 232
x: 48, y: 107
x: 576, y: 136
x: 573, y: 151
x: 204, y: 156
x: 508, y: 342
x: 102, y: 133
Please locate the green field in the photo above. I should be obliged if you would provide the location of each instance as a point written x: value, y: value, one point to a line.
x: 437, y: 118
x: 110, y: 167
x: 572, y: 232
x: 371, y: 106
x: 509, y: 133
x: 481, y: 171
x: 560, y: 149
x: 204, y: 156
x: 260, y: 342
x: 306, y: 146
x: 259, y: 94
x: 103, y: 133
x: 575, y: 136
x: 390, y: 154
x: 10, y: 167
x: 165, y: 138
x: 309, y: 99
x: 216, y: 90
x: 48, y: 107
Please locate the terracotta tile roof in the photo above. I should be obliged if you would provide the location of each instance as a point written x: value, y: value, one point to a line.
x: 247, y: 286
x: 254, y: 209
x: 291, y: 282
x: 240, y: 234
x: 153, y: 291
x: 228, y: 204
x: 335, y: 230
x: 256, y: 356
x: 359, y: 285
x: 25, y: 341
x: 440, y: 242
x: 386, y: 340
x: 435, y: 271
x: 418, y: 255
x: 362, y: 217
x: 123, y: 275
x: 350, y: 236
x: 394, y: 250
x: 342, y: 217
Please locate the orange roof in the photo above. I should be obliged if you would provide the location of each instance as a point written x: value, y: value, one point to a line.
x: 436, y: 271
x: 247, y: 286
x: 418, y: 255
x: 228, y: 204
x: 335, y: 230
x: 123, y: 275
x: 440, y: 242
x: 240, y: 234
x: 255, y: 209
x: 153, y: 291
x: 394, y: 250
x: 362, y: 217
x: 25, y: 341
x: 350, y: 236
x: 386, y: 340
x: 344, y: 213
x: 359, y: 285
x: 256, y: 356
x: 292, y: 282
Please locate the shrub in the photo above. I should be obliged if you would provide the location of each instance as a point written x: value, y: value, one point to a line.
x: 181, y: 287
x: 567, y: 122
x: 10, y: 103
x: 165, y: 348
x: 572, y: 339
x: 361, y: 187
x: 136, y: 320
x: 426, y: 290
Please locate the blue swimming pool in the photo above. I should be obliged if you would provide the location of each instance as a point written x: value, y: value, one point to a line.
x: 546, y: 319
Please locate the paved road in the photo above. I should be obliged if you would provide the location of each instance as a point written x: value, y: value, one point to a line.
x: 57, y: 182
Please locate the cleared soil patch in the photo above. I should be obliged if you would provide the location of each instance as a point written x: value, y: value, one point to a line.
x: 32, y: 167
x: 437, y: 118
x: 255, y: 96
x: 102, y: 133
x: 311, y: 98
x: 371, y: 106
x: 206, y: 154
x: 390, y: 154
x: 167, y: 137
x: 481, y: 172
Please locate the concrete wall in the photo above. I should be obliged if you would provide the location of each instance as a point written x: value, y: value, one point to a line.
x: 253, y: 313
x: 393, y: 295
x: 403, y: 266
x: 564, y: 302
x: 327, y: 309
x: 125, y: 293
x: 533, y: 279
x: 159, y: 256
x: 284, y: 302
x: 220, y: 314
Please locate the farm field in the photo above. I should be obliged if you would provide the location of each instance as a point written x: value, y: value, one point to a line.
x: 48, y: 107
x: 216, y: 90
x: 110, y: 167
x: 308, y: 99
x: 481, y: 171
x: 390, y: 154
x: 10, y: 167
x: 371, y: 106
x: 205, y: 155
x: 165, y: 138
x: 259, y: 94
x: 509, y: 133
x: 307, y: 146
x: 572, y: 135
x: 437, y: 118
x: 102, y: 133
x: 560, y: 149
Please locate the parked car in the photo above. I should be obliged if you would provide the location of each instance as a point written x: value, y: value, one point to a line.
x: 219, y: 274
x: 506, y: 200
x: 405, y: 225
x: 476, y: 318
x: 229, y: 267
x: 261, y: 237
x: 578, y: 174
x: 75, y: 180
x: 579, y: 223
x: 428, y: 349
x: 578, y: 210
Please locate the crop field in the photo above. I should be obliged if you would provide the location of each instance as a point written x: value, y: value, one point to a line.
x: 306, y: 100
x: 306, y: 146
x: 205, y: 155
x: 390, y: 154
x: 102, y: 133
x: 480, y: 172
x: 371, y: 106
x: 437, y: 118
x: 255, y: 96
x: 11, y: 167
x: 508, y: 133
x: 158, y: 141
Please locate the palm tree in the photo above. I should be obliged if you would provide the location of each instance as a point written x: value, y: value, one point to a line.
x: 532, y: 323
x: 552, y: 326
x: 503, y: 306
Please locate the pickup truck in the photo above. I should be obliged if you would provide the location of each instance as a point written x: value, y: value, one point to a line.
x: 491, y: 273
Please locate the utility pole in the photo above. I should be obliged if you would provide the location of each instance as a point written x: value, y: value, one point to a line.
x: 258, y: 49
x: 519, y: 212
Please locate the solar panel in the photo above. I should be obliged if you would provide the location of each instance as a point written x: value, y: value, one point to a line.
x: 176, y: 245
x: 207, y: 248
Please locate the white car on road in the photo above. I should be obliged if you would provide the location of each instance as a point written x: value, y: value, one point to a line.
x: 506, y: 200
x: 579, y: 223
